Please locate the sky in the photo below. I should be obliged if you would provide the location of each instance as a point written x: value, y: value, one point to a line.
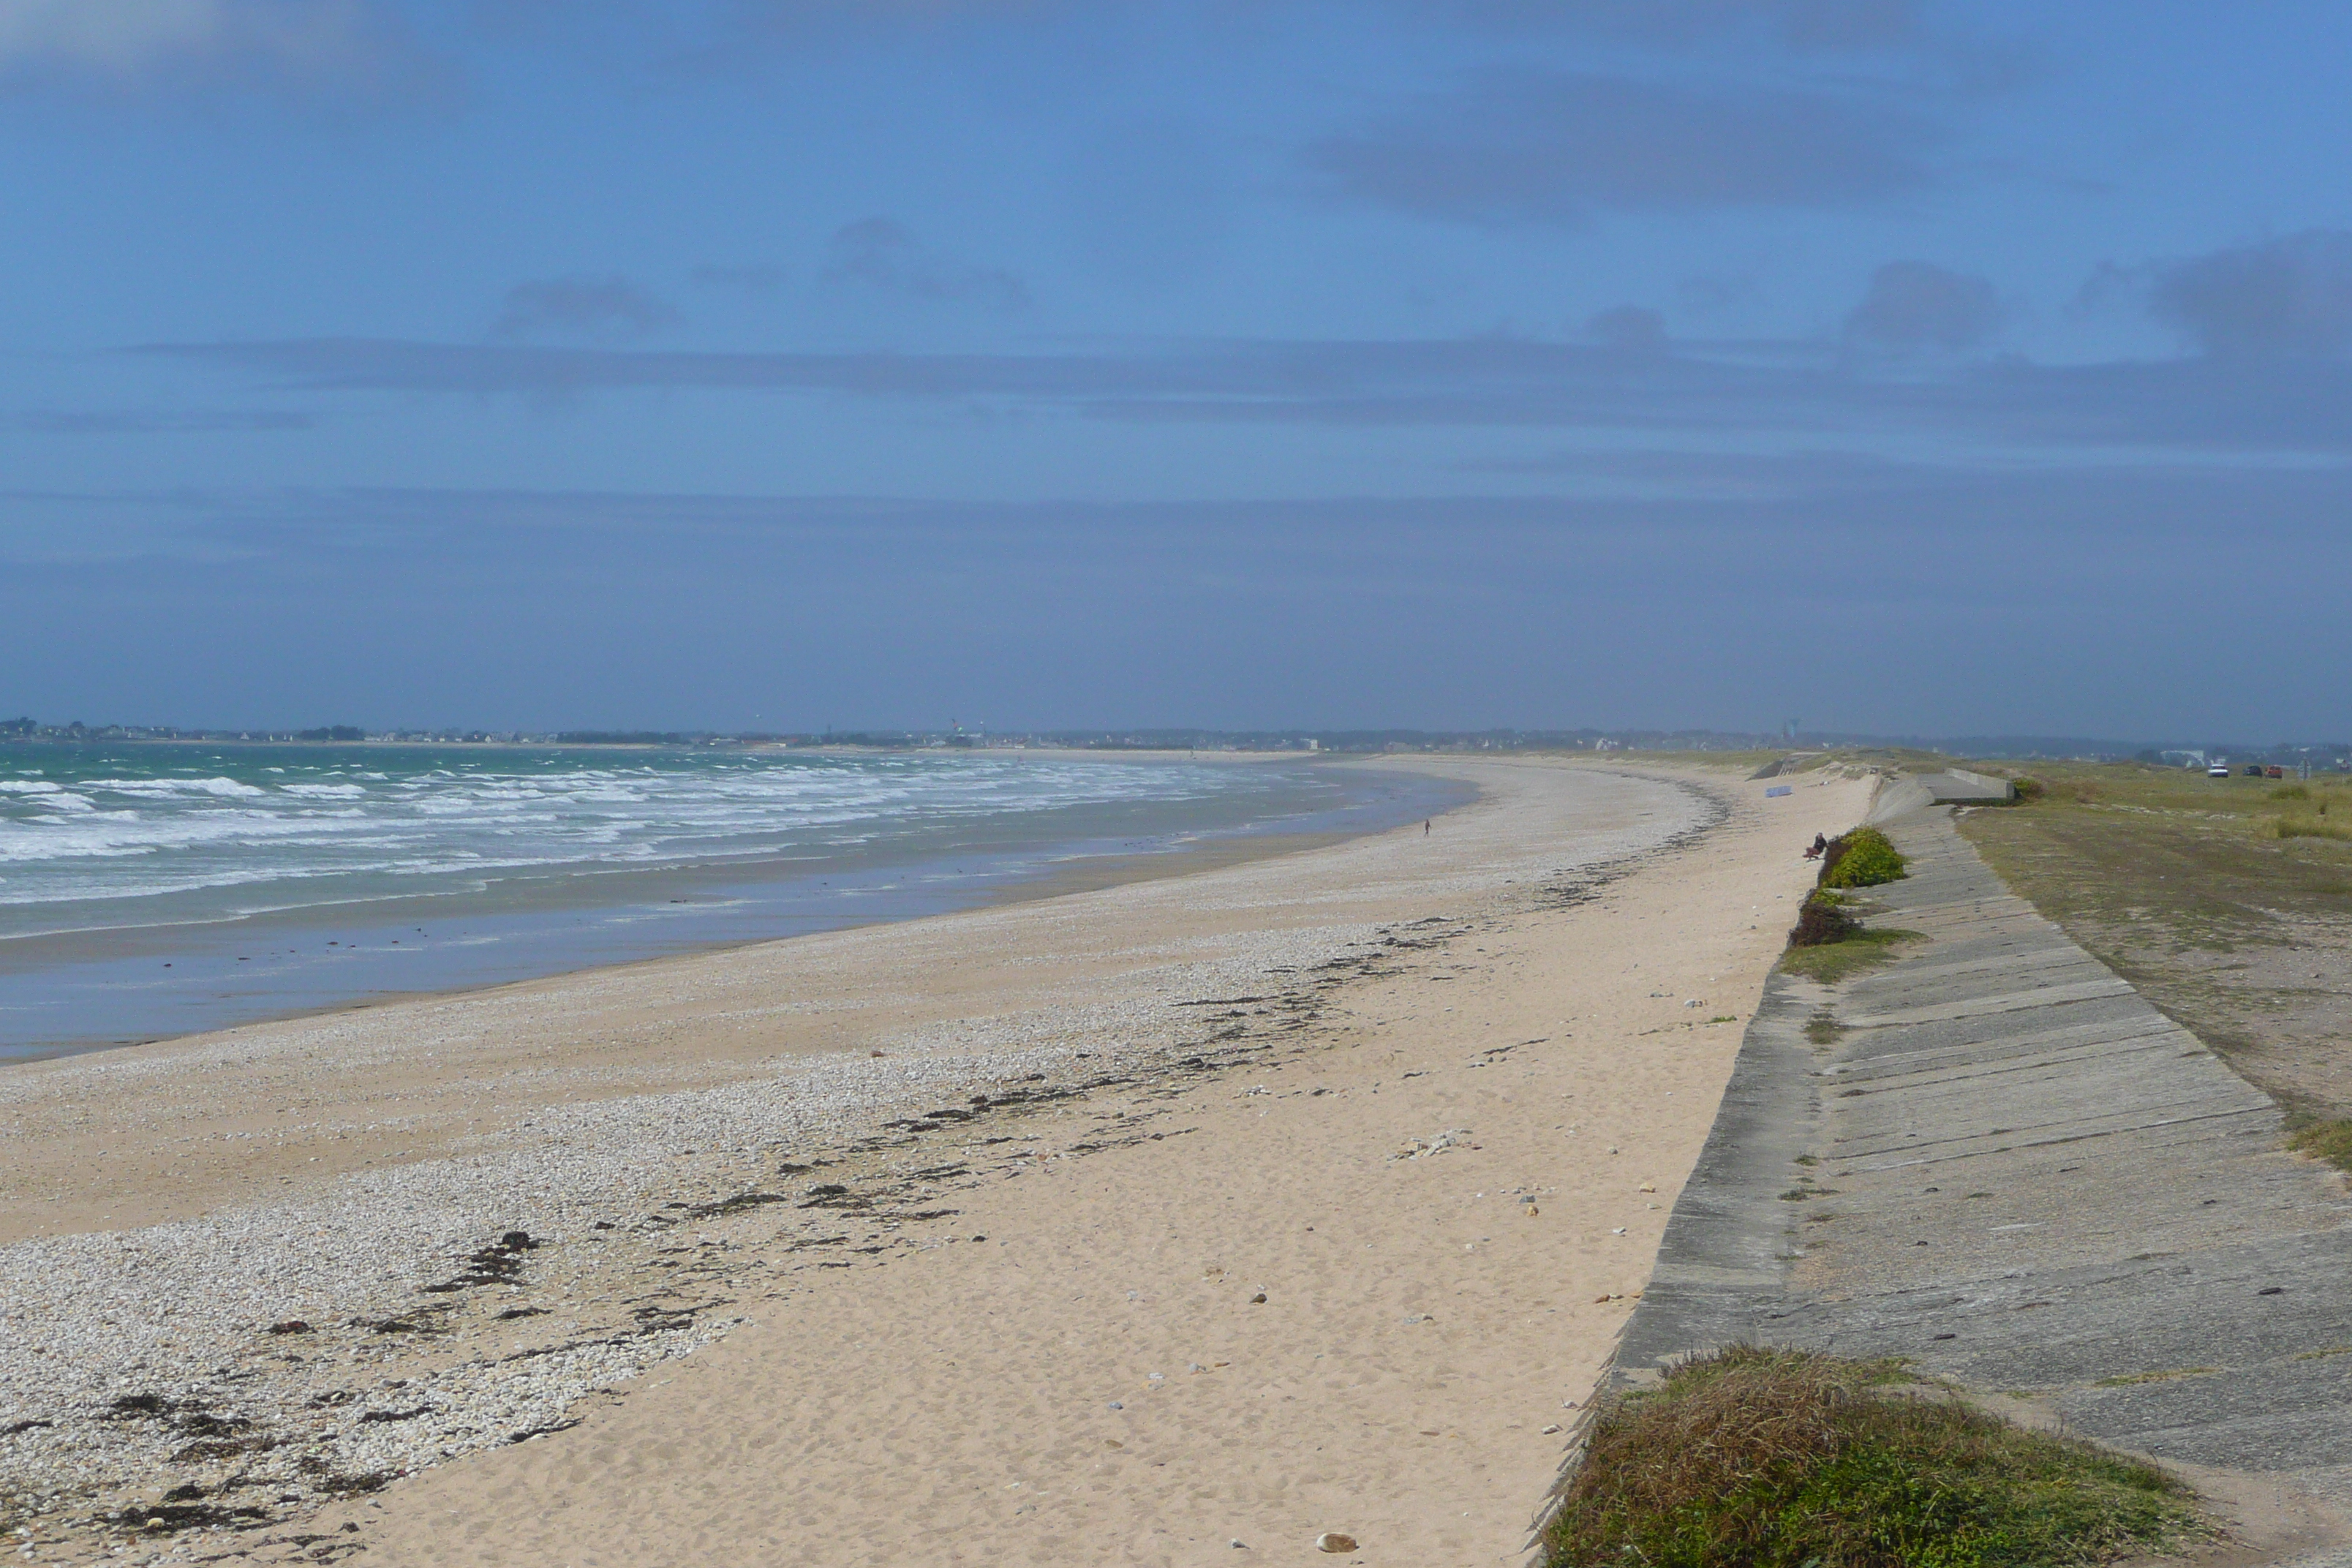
x: 1888, y: 366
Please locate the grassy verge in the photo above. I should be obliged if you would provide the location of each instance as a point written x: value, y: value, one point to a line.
x: 1833, y: 962
x: 2228, y: 902
x: 1753, y: 1458
x: 2213, y: 863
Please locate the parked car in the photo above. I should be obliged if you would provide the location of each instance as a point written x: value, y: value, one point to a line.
x: 2254, y: 770
x: 2217, y: 771
x: 2274, y: 772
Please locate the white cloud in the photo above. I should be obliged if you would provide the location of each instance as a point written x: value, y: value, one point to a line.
x: 118, y: 36
x: 299, y: 44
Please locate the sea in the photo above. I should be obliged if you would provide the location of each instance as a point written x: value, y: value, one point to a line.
x: 148, y: 890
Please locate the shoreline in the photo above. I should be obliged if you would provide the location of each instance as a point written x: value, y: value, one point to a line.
x: 1119, y: 870
x: 530, y: 927
x: 1150, y: 994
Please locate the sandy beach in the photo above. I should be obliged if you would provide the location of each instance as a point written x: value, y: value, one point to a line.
x: 1171, y: 1222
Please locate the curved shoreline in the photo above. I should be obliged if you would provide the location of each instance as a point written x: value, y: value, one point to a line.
x: 1271, y: 966
x: 587, y: 917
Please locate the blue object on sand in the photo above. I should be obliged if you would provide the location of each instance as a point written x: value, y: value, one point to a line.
x: 1778, y: 789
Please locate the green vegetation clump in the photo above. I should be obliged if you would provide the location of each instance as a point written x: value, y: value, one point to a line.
x: 1834, y: 961
x: 1828, y: 943
x: 2029, y: 789
x: 2329, y: 1141
x: 1862, y: 858
x: 1822, y: 918
x: 1761, y: 1458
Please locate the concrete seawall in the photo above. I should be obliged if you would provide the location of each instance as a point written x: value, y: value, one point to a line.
x: 1996, y: 1159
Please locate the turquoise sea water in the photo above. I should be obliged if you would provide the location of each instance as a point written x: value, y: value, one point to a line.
x: 156, y: 889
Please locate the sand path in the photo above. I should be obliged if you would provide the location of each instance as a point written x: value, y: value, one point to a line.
x: 1097, y: 1382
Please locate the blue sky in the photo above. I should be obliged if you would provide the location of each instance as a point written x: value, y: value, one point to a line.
x: 1933, y: 369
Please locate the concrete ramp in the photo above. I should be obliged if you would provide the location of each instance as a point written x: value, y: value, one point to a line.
x: 1914, y: 792
x: 1958, y: 786
x: 2008, y: 1167
x: 1793, y: 763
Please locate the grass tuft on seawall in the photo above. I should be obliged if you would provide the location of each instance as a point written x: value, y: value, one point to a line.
x: 2329, y: 1141
x: 1773, y: 1458
x: 1829, y: 963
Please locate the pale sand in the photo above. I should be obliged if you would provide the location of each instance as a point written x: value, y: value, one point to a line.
x: 951, y: 1399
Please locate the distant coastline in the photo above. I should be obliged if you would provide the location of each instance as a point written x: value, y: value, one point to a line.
x: 1292, y: 741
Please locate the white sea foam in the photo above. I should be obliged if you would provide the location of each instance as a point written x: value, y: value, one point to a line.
x: 167, y: 827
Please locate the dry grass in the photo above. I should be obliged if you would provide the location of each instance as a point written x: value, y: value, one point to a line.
x: 2228, y: 902
x: 2307, y: 827
x: 2329, y: 1141
x: 1756, y: 1458
x: 2133, y: 1380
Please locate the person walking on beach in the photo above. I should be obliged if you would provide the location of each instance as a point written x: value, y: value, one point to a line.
x: 1424, y: 829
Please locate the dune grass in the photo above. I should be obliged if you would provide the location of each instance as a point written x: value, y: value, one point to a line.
x: 1758, y: 1458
